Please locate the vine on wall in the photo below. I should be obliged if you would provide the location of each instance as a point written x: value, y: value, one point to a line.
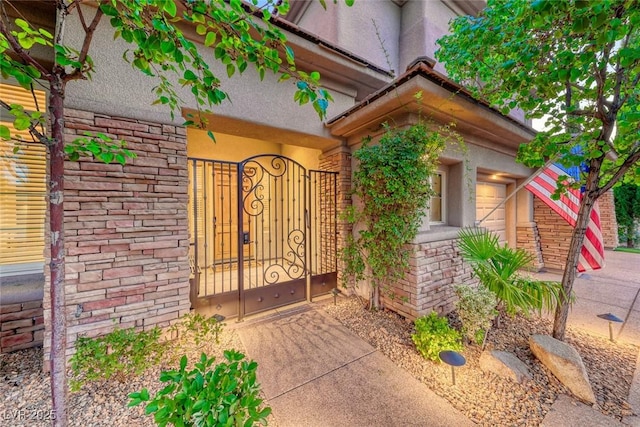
x: 393, y: 184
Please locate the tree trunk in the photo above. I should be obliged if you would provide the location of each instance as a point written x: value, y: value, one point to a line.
x: 56, y: 225
x: 570, y: 268
x: 630, y: 232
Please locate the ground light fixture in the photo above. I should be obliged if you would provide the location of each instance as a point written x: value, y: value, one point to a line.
x: 219, y: 318
x: 335, y: 292
x: 453, y: 359
x: 610, y: 318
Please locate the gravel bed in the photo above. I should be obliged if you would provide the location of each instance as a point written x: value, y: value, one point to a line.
x: 25, y: 391
x: 483, y: 397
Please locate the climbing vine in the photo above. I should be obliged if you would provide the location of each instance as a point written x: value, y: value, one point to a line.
x: 393, y: 185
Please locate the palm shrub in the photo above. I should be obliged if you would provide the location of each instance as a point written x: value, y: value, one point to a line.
x: 476, y: 308
x: 498, y: 268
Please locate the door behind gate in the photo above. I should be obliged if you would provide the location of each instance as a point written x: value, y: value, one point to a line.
x: 263, y: 234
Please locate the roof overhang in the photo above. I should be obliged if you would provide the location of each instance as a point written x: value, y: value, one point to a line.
x: 442, y: 100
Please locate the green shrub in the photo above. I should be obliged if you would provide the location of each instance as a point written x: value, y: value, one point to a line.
x: 433, y: 335
x: 118, y: 354
x: 476, y: 308
x: 225, y: 395
x: 194, y: 327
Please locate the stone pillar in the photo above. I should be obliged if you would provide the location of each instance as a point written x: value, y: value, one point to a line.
x: 608, y: 220
x: 528, y: 238
x: 527, y: 233
x: 555, y: 235
x: 126, y: 231
x: 339, y: 160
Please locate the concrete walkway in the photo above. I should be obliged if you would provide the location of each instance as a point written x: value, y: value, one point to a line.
x: 315, y: 372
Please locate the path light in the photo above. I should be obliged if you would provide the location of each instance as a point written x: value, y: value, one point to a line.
x: 611, y: 318
x: 335, y: 292
x: 219, y: 318
x: 453, y: 359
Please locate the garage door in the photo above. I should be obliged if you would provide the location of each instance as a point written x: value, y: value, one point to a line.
x: 488, y: 196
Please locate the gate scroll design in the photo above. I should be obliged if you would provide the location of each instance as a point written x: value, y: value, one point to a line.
x: 279, y: 234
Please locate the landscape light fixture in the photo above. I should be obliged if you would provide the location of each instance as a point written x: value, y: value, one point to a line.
x: 335, y: 292
x: 610, y: 318
x: 219, y: 318
x: 453, y: 359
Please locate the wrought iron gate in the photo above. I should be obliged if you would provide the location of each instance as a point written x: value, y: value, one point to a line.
x: 263, y: 233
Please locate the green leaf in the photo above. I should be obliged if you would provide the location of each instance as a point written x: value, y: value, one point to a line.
x: 170, y: 8
x: 190, y: 75
x: 230, y: 70
x: 5, y: 133
x: 24, y: 25
x: 21, y: 123
x: 210, y: 39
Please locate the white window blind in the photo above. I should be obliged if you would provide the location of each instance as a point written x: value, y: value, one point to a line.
x: 22, y: 192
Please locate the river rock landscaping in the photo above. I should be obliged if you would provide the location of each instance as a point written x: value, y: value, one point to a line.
x: 483, y: 397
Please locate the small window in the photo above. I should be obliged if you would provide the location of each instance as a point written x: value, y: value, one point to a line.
x: 437, y: 214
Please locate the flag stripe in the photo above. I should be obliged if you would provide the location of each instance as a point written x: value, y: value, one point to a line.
x: 543, y: 186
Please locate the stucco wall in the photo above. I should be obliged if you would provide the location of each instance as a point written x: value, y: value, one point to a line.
x: 115, y: 83
x: 369, y: 29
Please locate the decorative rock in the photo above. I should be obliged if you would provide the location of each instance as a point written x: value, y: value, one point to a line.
x: 565, y: 363
x: 505, y: 365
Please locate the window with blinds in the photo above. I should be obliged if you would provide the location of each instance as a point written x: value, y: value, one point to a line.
x: 22, y: 192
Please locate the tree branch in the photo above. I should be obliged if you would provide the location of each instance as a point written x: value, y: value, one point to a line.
x: 39, y: 136
x: 630, y: 161
x: 20, y: 52
x: 88, y: 37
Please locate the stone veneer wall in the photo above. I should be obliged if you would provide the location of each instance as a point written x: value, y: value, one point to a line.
x: 435, y: 268
x: 555, y: 235
x: 608, y: 220
x: 21, y: 325
x: 126, y: 231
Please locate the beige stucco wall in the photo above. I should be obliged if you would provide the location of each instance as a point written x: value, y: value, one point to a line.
x: 367, y: 29
x: 116, y: 85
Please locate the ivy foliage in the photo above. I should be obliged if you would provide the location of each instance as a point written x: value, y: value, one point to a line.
x: 392, y: 183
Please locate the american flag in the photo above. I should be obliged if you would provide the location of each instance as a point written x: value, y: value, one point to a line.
x: 544, y: 185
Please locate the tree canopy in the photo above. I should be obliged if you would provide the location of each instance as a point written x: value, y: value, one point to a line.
x: 576, y: 65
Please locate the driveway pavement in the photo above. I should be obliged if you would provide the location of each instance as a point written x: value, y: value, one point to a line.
x: 613, y: 289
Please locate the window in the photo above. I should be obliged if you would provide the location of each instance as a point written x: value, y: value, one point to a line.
x: 22, y: 193
x: 437, y: 207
